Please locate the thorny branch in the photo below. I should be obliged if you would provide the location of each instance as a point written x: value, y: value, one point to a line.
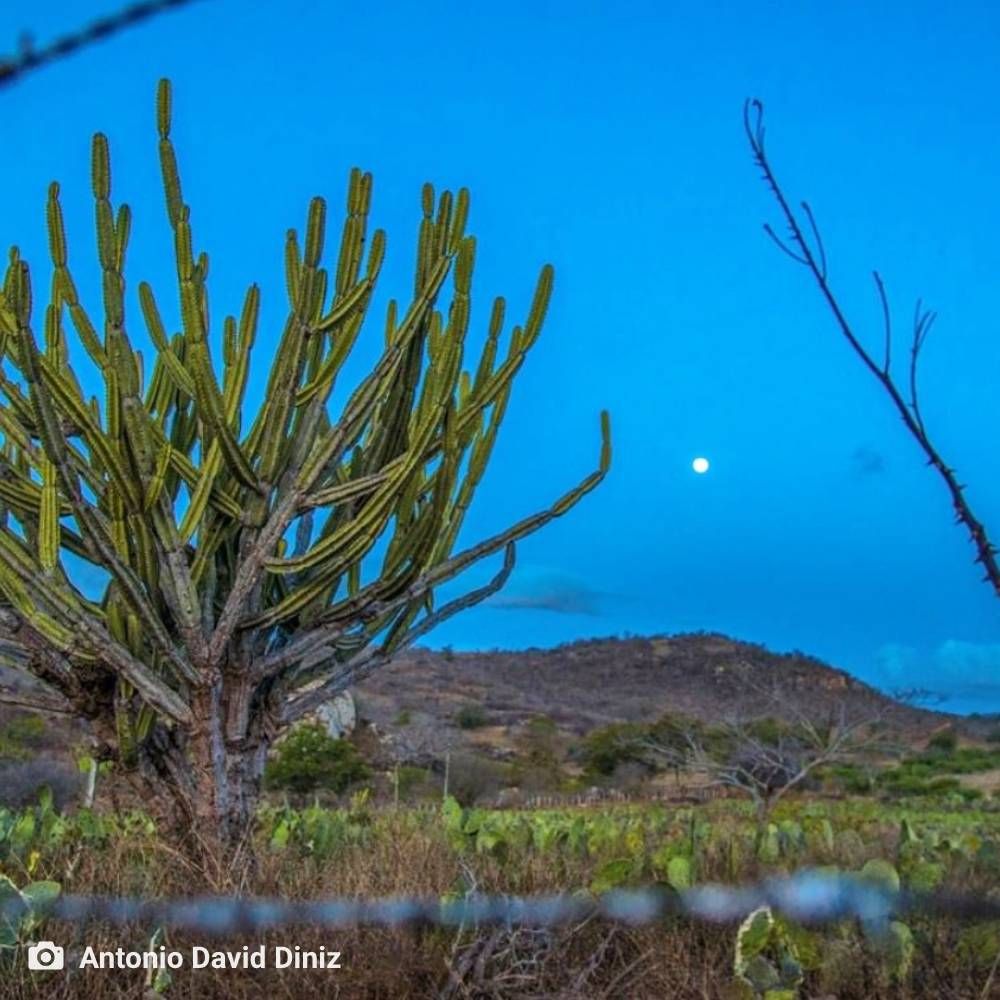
x: 30, y: 58
x: 802, y: 251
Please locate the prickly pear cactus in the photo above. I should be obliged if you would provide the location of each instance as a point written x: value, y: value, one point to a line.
x: 892, y: 938
x: 21, y: 912
x: 766, y: 964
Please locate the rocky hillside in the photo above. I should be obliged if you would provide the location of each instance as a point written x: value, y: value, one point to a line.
x: 591, y: 683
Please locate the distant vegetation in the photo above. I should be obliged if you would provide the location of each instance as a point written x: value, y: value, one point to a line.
x: 34, y: 754
x: 470, y: 717
x: 310, y: 760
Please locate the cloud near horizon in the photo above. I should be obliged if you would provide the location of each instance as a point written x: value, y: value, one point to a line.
x: 954, y: 666
x: 543, y: 590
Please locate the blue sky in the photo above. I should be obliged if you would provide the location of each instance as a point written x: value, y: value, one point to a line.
x: 607, y: 140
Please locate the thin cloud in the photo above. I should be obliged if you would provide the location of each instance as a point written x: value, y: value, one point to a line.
x: 562, y: 603
x: 540, y: 590
x: 953, y: 666
x: 867, y: 461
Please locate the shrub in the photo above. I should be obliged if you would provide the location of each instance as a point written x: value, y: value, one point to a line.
x: 902, y: 782
x: 539, y: 743
x: 472, y: 778
x: 969, y: 760
x: 29, y: 730
x: 943, y: 785
x: 470, y: 717
x: 309, y: 759
x: 768, y: 730
x: 852, y: 778
x: 946, y: 741
x: 674, y: 730
x: 11, y: 750
x: 404, y: 718
x: 538, y: 780
x: 675, y: 733
x: 719, y: 741
x: 605, y: 748
x: 965, y: 760
x: 413, y: 780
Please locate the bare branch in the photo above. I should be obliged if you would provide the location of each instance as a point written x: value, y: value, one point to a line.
x: 922, y: 322
x: 821, y: 250
x: 784, y: 246
x: 909, y: 412
x: 763, y: 758
x: 886, y: 321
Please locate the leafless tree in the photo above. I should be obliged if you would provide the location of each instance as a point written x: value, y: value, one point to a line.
x: 767, y: 755
x: 805, y: 246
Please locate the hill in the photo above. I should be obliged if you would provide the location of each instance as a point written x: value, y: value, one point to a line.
x: 424, y: 703
x: 585, y: 684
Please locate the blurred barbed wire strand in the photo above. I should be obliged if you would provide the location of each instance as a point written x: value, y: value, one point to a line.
x: 808, y: 897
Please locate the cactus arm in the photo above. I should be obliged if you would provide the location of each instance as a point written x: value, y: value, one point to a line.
x: 368, y: 603
x: 353, y: 489
x: 328, y: 448
x: 367, y: 661
x: 41, y: 382
x: 340, y: 549
x: 209, y: 398
x: 181, y: 592
x: 375, y: 514
x: 35, y: 699
x: 82, y: 630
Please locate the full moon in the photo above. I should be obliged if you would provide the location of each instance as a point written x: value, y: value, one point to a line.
x: 700, y: 465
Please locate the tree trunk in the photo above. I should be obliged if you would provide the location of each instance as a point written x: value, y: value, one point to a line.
x: 212, y: 775
x: 201, y: 782
x: 763, y: 805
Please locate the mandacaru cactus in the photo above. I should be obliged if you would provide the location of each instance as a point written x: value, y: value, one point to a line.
x: 254, y: 567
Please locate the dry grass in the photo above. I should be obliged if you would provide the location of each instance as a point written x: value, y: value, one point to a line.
x: 987, y: 782
x: 595, y: 959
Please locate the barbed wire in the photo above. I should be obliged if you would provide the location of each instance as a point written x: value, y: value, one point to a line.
x: 807, y: 897
x: 31, y: 58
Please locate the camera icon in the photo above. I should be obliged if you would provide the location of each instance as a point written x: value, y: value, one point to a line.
x: 45, y: 957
